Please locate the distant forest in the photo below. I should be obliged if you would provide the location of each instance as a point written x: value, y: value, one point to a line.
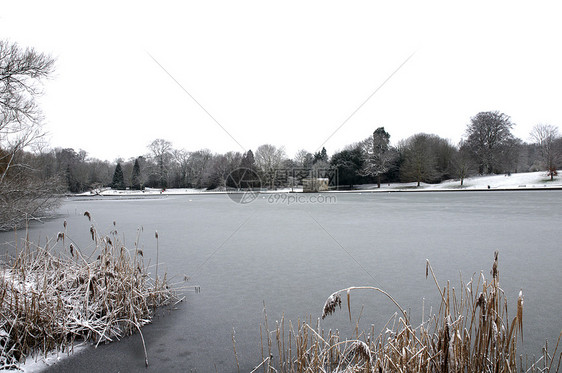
x: 488, y: 148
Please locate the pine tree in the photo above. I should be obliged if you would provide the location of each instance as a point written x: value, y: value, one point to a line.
x: 136, y: 176
x: 322, y: 155
x: 247, y: 173
x: 248, y: 160
x: 118, y: 179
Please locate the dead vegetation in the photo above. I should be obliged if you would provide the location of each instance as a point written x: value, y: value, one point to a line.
x: 472, y: 332
x: 54, y: 295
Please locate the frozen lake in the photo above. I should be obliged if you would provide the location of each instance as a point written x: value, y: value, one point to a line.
x: 293, y: 256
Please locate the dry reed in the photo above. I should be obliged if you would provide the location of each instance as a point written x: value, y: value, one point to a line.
x: 55, y: 295
x: 472, y: 332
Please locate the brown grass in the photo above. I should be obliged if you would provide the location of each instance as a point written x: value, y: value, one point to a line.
x: 52, y: 296
x: 472, y: 332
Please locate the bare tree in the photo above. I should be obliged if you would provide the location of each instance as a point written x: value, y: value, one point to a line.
x: 419, y: 159
x: 220, y: 167
x: 181, y: 168
x: 545, y: 136
x: 487, y: 135
x: 269, y: 160
x: 161, y: 152
x: 304, y: 159
x: 199, y: 161
x: 23, y: 194
x: 462, y: 164
x: 20, y: 118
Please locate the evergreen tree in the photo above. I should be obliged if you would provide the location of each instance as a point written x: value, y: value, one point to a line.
x: 248, y: 161
x: 348, y: 164
x: 136, y: 176
x: 247, y: 174
x: 118, y: 179
x: 321, y: 156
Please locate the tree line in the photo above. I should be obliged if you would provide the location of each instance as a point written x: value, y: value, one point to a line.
x: 487, y: 148
x: 32, y: 175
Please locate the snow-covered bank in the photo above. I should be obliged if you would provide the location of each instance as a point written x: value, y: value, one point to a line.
x: 53, y: 295
x: 154, y: 192
x: 520, y: 181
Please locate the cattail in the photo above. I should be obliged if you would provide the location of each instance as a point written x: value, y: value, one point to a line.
x: 361, y: 349
x: 349, y: 304
x: 331, y: 303
x: 495, y: 266
x: 481, y: 301
x: 157, y: 250
x: 86, y: 213
x: 520, y: 312
x: 93, y: 232
x: 60, y: 236
x: 64, y: 224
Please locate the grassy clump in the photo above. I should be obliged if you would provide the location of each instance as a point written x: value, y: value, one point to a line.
x: 472, y: 332
x: 51, y: 296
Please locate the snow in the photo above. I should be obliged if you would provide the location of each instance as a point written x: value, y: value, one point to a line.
x: 148, y: 192
x: 39, y: 363
x: 527, y: 180
x: 518, y: 181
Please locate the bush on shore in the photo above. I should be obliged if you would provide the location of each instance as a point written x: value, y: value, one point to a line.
x: 54, y: 295
x: 472, y: 332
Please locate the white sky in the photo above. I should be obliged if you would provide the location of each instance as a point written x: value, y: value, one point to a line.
x: 287, y: 73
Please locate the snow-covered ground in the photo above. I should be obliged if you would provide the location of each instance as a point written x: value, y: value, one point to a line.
x: 162, y: 192
x: 528, y: 180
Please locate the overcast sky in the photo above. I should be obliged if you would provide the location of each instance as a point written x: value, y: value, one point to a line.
x: 229, y: 75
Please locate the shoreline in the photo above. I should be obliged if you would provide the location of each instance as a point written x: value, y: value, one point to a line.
x: 172, y: 192
x: 528, y: 181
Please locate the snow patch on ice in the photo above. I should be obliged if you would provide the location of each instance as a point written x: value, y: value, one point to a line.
x: 39, y: 362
